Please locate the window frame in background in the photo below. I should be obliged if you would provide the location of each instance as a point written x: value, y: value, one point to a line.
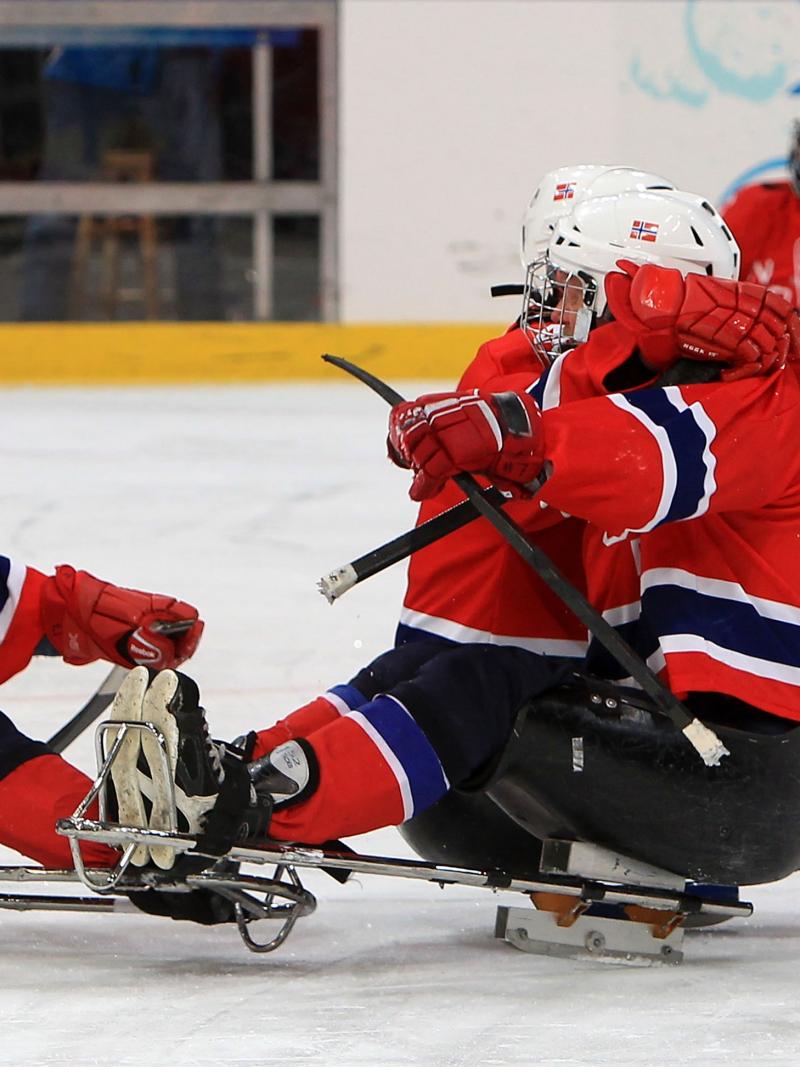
x: 262, y: 198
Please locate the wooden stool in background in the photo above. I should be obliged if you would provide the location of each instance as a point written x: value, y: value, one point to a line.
x: 121, y: 166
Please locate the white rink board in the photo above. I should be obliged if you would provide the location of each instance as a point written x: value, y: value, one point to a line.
x: 239, y: 499
x: 451, y: 112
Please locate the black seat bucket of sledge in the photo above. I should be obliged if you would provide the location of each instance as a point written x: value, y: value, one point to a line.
x: 582, y: 765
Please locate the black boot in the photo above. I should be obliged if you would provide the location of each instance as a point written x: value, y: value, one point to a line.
x: 214, y: 798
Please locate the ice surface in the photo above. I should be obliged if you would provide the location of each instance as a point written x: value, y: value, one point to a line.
x: 238, y: 500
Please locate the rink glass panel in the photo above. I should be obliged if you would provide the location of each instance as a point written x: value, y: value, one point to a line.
x: 202, y: 269
x: 207, y: 142
x: 187, y: 111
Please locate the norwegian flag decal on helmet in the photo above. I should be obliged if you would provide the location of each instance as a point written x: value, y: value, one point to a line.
x: 565, y: 191
x: 644, y: 231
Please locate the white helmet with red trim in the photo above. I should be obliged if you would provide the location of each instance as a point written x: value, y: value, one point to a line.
x: 561, y: 189
x: 669, y: 228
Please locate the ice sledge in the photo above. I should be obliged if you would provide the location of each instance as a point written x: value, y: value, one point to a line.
x: 579, y: 899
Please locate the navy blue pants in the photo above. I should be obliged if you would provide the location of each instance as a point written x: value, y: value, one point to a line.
x: 465, y: 698
x: 15, y: 747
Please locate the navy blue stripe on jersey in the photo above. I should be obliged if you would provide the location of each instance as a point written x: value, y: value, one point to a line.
x: 684, y: 435
x: 405, y: 635
x: 547, y: 390
x: 743, y: 628
x: 537, y: 392
x: 638, y: 635
x: 407, y: 751
x: 349, y: 695
x: 5, y: 570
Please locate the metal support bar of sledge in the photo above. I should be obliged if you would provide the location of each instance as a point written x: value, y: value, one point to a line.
x: 584, y: 873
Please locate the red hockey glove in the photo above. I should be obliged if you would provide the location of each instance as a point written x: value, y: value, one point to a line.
x: 441, y: 434
x: 794, y: 338
x: 740, y: 324
x: 657, y: 344
x: 86, y: 619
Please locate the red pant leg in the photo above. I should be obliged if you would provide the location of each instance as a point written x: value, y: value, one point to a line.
x: 300, y: 723
x: 32, y: 798
x: 357, y: 791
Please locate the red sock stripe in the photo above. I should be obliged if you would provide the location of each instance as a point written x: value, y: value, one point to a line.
x: 300, y: 723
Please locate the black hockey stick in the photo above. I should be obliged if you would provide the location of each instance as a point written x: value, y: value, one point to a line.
x: 704, y: 740
x: 103, y: 696
x: 91, y: 710
x: 335, y: 584
x: 338, y: 581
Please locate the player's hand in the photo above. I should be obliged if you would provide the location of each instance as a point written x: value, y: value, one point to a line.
x: 86, y: 619
x: 655, y: 335
x: 739, y: 324
x: 442, y: 434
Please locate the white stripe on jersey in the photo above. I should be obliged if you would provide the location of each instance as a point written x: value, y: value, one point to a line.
x: 341, y: 705
x: 668, y: 467
x: 624, y: 613
x: 759, y: 668
x: 16, y: 579
x: 455, y: 631
x: 724, y: 590
x: 709, y: 430
x: 551, y: 396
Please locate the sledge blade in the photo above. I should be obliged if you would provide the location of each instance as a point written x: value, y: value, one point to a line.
x: 587, y: 937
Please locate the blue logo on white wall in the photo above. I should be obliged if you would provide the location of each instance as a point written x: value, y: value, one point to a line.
x: 770, y: 167
x: 748, y: 51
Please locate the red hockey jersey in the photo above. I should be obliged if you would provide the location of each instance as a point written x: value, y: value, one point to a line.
x: 472, y: 586
x: 765, y: 220
x: 20, y: 624
x: 691, y: 497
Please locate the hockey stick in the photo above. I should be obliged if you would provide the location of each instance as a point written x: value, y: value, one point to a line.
x: 704, y: 740
x: 338, y: 581
x: 97, y: 704
x: 91, y: 710
x: 336, y: 584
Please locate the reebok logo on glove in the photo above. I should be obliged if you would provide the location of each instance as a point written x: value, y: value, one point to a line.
x: 141, y: 651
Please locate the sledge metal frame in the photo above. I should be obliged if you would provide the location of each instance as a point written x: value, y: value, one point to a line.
x: 223, y: 877
x: 591, y: 902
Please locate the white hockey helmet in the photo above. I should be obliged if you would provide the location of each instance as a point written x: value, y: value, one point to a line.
x: 561, y: 189
x: 669, y: 228
x: 553, y: 198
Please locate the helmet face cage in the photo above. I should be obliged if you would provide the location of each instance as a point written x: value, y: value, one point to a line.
x: 558, y: 308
